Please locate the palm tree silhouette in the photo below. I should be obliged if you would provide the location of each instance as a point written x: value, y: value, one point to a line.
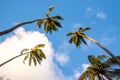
x: 34, y: 54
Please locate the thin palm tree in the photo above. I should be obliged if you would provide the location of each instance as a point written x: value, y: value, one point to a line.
x: 50, y: 23
x: 79, y: 36
x: 97, y: 70
x: 34, y: 54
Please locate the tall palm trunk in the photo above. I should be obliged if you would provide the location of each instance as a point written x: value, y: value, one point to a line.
x: 105, y: 49
x: 12, y: 59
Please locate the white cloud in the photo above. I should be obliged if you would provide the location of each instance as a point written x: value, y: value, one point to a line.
x: 88, y: 9
x: 85, y: 66
x: 101, y: 15
x: 16, y: 70
x: 61, y: 58
x: 61, y: 55
x: 89, y: 12
x: 95, y: 12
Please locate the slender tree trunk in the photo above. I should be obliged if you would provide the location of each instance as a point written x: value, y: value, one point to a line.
x: 17, y: 26
x: 12, y: 59
x: 105, y: 49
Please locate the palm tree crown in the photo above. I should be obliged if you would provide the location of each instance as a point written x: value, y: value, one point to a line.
x: 50, y: 23
x: 35, y: 54
x: 78, y: 36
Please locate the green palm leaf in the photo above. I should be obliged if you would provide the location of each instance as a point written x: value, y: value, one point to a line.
x: 24, y: 50
x: 40, y: 22
x: 50, y: 9
x: 70, y: 34
x: 30, y: 59
x: 58, y: 17
x: 25, y: 58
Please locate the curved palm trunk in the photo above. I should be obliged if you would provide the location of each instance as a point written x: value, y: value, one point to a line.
x: 17, y: 26
x: 105, y: 49
x: 12, y: 59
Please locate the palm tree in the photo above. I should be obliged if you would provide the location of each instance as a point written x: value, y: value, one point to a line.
x: 50, y: 23
x: 78, y: 37
x: 34, y: 54
x: 97, y: 70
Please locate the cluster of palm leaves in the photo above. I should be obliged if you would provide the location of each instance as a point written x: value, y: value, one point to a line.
x: 50, y: 23
x: 78, y: 36
x: 35, y: 54
x: 100, y: 69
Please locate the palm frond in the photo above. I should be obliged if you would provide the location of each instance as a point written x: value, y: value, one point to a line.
x: 84, y: 29
x: 57, y: 23
x: 83, y: 40
x: 47, y: 27
x: 40, y: 22
x: 102, y: 57
x: 40, y: 53
x: 40, y: 45
x: 70, y: 34
x: 111, y: 62
x: 58, y: 17
x: 24, y: 50
x: 25, y: 58
x: 50, y: 9
x: 30, y: 59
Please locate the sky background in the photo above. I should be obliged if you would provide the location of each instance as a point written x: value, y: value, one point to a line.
x: 64, y: 61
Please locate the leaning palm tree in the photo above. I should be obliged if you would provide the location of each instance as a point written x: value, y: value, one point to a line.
x: 97, y: 70
x: 79, y: 36
x: 50, y: 23
x: 34, y: 54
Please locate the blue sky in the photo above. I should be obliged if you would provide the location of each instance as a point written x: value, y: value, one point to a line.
x: 101, y: 15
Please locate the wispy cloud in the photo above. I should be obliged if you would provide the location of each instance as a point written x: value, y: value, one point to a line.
x: 16, y: 70
x: 101, y: 15
x: 95, y: 12
x: 62, y: 59
x: 89, y: 12
x: 61, y: 55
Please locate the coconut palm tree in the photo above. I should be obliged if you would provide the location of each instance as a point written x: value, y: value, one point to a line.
x: 97, y: 70
x: 50, y: 23
x: 79, y: 36
x: 34, y: 54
